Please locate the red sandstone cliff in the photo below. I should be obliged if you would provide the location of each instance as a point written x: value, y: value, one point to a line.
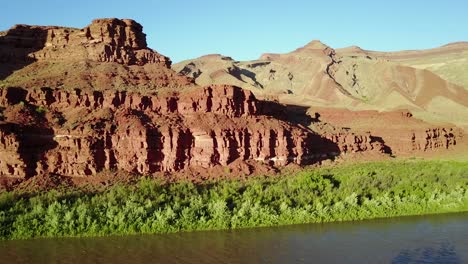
x: 84, y: 133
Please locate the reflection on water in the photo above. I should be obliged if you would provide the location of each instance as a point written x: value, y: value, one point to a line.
x: 426, y: 239
x: 446, y: 253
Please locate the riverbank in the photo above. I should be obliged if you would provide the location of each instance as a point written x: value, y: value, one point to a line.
x: 341, y: 193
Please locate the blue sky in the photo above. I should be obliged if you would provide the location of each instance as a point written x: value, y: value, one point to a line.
x: 243, y: 29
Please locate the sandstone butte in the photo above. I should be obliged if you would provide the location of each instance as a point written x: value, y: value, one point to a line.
x: 83, y: 103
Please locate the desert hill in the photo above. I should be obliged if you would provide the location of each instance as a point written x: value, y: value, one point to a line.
x: 449, y: 61
x: 319, y: 76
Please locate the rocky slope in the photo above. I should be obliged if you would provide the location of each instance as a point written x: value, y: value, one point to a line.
x: 449, y: 61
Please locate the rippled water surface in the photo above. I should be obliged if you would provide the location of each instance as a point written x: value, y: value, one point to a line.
x: 424, y: 239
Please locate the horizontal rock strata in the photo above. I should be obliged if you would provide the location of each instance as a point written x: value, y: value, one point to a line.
x: 83, y: 133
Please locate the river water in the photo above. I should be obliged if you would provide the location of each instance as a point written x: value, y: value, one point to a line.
x: 422, y: 239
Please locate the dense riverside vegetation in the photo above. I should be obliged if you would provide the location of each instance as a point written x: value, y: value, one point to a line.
x: 348, y: 192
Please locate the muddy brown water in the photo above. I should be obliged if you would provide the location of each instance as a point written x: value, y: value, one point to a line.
x: 422, y: 239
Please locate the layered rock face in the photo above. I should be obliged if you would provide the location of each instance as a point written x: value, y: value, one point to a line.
x: 83, y: 133
x: 399, y: 131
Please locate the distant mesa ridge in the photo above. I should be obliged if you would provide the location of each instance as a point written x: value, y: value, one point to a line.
x: 351, y: 77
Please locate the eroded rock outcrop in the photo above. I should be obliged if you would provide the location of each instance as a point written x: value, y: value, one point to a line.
x: 109, y: 53
x: 11, y: 162
x: 435, y: 138
x: 104, y: 40
x: 352, y: 142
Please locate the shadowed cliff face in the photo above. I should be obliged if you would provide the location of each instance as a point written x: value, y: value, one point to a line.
x: 16, y: 45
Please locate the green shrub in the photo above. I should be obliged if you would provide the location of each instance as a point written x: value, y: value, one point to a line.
x: 41, y: 109
x: 352, y: 192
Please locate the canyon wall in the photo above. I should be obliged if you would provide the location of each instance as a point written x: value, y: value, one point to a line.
x: 82, y: 133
